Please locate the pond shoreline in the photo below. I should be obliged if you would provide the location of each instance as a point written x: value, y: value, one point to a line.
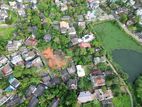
x: 129, y: 61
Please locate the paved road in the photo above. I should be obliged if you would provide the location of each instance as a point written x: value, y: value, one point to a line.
x: 126, y: 87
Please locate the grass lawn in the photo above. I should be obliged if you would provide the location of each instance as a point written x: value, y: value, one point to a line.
x: 6, y: 33
x: 122, y: 101
x: 114, y: 37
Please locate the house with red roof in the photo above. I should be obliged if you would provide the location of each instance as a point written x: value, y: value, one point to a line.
x: 85, y: 45
x: 7, y: 70
x: 31, y: 41
x: 98, y: 80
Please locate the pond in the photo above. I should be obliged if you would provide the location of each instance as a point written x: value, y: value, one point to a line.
x: 129, y: 61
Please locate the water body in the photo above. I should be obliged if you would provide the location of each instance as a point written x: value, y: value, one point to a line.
x: 129, y: 61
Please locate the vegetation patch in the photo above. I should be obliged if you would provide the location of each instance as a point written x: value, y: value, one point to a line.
x: 113, y: 37
x: 122, y: 101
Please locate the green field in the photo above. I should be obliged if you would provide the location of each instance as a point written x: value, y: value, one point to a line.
x: 6, y: 33
x: 113, y: 37
x: 121, y: 101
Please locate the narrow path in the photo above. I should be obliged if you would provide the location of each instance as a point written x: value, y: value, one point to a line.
x: 6, y: 25
x: 127, y: 89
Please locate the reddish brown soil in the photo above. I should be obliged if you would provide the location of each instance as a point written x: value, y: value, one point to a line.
x: 55, y: 61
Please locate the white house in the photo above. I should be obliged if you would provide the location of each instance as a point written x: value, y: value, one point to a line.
x: 88, y: 38
x: 14, y: 45
x: 80, y: 71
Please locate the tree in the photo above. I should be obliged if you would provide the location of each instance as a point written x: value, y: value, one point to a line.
x: 124, y: 18
x: 138, y: 90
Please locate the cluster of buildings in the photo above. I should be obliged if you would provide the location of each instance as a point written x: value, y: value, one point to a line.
x: 134, y: 16
x: 21, y: 5
x: 98, y: 81
x: 3, y: 12
x: 19, y: 55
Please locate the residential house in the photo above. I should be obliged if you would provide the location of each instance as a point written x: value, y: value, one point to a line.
x: 55, y: 103
x: 30, y: 55
x: 20, y: 1
x: 17, y: 60
x: 4, y: 7
x: 98, y: 60
x: 4, y: 99
x: 6, y: 70
x: 47, y: 37
x: 121, y: 10
x: 3, y: 15
x: 10, y: 88
x: 131, y: 2
x: 3, y: 60
x: 58, y: 2
x: 14, y: 101
x: 72, y: 69
x: 93, y: 4
x: 39, y: 90
x: 100, y: 95
x: 81, y: 22
x: 85, y: 96
x: 139, y: 13
x: 65, y: 75
x: 64, y: 26
x: 14, y: 45
x: 80, y: 71
x: 88, y: 37
x: 71, y: 31
x: 55, y: 81
x: 22, y: 50
x: 90, y: 16
x: 37, y: 62
x: 30, y: 91
x: 21, y: 12
x: 31, y: 41
x: 46, y: 79
x: 72, y: 84
x: 66, y: 18
x: 97, y: 80
x: 63, y: 7
x: 13, y: 4
x: 33, y: 102
x: 14, y: 82
x: 76, y: 41
x: 130, y: 22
